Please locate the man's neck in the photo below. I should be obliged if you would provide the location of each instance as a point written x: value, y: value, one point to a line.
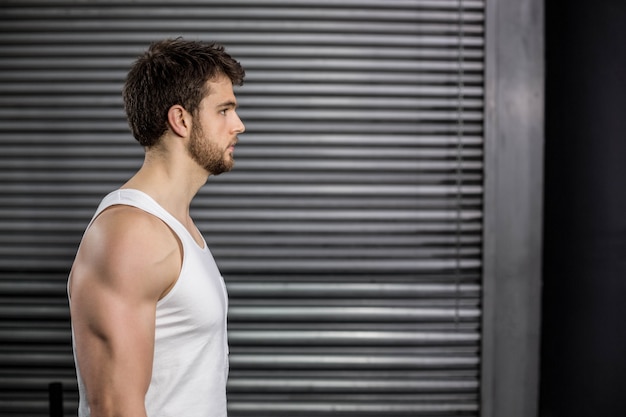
x: 171, y: 182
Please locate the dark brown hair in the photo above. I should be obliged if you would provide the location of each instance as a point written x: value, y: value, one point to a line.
x: 173, y: 71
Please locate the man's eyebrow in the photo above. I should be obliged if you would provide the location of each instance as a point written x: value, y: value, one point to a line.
x: 229, y: 103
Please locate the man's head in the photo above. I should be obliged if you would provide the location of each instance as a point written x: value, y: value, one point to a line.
x: 172, y: 72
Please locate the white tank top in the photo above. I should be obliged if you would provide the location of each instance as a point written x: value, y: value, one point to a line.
x: 190, y: 366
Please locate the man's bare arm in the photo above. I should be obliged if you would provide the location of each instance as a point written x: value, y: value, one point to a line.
x: 127, y: 261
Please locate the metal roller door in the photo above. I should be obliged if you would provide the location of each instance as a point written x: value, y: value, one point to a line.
x: 349, y: 232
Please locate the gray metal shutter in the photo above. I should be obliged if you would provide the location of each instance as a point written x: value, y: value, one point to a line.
x: 349, y: 232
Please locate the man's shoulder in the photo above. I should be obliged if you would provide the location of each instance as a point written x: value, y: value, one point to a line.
x: 125, y: 242
x: 128, y: 219
x: 132, y: 229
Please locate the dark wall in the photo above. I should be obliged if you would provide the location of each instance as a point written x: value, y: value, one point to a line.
x: 583, y: 370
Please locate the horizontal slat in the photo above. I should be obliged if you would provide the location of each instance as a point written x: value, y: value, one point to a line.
x: 349, y: 362
x: 320, y: 253
x: 25, y: 359
x: 240, y: 22
x: 368, y: 116
x: 349, y: 127
x: 279, y: 8
x: 21, y: 286
x: 12, y: 382
x: 372, y: 314
x: 389, y: 116
x: 103, y: 22
x: 255, y: 313
x: 251, y: 169
x: 100, y: 35
x: 82, y: 174
x: 127, y: 52
x: 73, y: 76
x: 346, y: 385
x: 357, y: 89
x: 362, y: 228
x: 321, y: 383
x: 229, y: 266
x: 312, y: 156
x: 358, y: 252
x: 295, y: 138
x: 36, y: 335
x: 32, y: 405
x: 311, y: 101
x: 245, y: 228
x: 273, y: 4
x: 327, y: 70
x: 326, y: 190
x: 85, y: 199
x: 362, y: 338
x: 357, y: 407
x: 44, y: 359
x: 290, y: 215
x: 242, y: 289
x: 13, y: 284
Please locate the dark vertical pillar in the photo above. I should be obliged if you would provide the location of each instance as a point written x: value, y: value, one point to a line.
x: 583, y: 362
x: 55, y: 397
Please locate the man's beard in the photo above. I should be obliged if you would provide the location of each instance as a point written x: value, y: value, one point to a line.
x: 206, y: 153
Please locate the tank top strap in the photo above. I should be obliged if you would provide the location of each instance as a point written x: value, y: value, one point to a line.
x: 141, y: 200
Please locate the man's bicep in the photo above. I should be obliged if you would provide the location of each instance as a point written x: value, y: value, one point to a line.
x: 114, y: 340
x: 113, y: 316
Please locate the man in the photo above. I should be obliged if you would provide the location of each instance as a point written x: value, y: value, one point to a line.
x: 147, y: 301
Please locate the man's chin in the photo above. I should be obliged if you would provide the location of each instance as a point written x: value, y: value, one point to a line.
x: 221, y: 169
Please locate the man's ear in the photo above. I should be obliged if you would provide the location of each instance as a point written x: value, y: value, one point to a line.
x: 179, y: 120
